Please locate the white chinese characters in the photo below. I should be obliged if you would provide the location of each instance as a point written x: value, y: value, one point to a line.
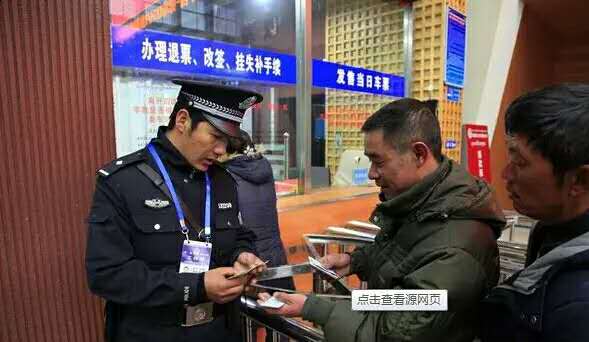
x: 362, y: 80
x: 400, y: 300
x: 146, y: 49
x: 208, y: 57
x: 214, y: 58
x: 166, y: 52
x: 217, y: 58
x: 173, y: 53
x: 161, y: 50
x: 261, y: 65
x: 341, y: 75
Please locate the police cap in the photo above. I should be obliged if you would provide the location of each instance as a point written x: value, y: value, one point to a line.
x: 222, y: 106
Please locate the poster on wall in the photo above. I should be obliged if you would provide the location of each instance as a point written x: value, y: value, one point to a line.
x: 476, y: 150
x: 141, y: 105
x: 455, y: 48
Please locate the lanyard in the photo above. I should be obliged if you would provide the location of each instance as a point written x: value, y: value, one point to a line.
x: 179, y: 211
x: 208, y: 207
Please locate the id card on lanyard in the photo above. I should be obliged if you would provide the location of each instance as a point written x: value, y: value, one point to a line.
x: 196, y: 255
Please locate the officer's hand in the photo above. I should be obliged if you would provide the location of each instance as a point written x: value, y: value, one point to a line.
x: 220, y: 289
x: 340, y: 263
x: 247, y: 260
x: 293, y: 303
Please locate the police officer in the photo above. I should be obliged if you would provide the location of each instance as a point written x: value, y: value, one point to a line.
x: 165, y: 232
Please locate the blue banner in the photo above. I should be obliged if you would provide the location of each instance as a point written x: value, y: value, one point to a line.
x: 179, y: 54
x: 455, y: 48
x: 170, y: 53
x: 344, y: 77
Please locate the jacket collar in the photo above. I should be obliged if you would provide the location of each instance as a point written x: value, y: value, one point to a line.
x: 531, y: 282
x: 168, y: 152
x: 450, y: 192
x: 549, y: 237
x: 413, y: 198
x: 531, y: 277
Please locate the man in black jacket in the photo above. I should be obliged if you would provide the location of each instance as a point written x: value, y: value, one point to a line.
x: 165, y: 234
x: 547, y: 177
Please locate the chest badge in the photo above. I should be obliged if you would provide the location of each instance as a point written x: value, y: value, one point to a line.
x: 224, y: 206
x: 157, y: 203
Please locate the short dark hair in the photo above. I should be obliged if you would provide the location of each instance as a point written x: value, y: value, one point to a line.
x: 555, y: 120
x: 406, y: 121
x: 195, y: 115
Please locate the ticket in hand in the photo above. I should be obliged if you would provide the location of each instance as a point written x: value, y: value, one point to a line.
x: 246, y: 272
x: 316, y: 264
x: 272, y: 303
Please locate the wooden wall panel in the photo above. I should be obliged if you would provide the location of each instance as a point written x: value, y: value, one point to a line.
x: 532, y: 67
x: 572, y: 61
x: 549, y: 49
x: 56, y: 126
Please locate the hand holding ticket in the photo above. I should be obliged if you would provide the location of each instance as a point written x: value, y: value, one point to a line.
x: 316, y: 264
x: 248, y: 271
x: 271, y: 303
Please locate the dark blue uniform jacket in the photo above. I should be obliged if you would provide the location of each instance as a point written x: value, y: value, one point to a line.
x: 133, y: 249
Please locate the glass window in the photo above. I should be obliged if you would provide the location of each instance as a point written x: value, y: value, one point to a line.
x: 248, y: 43
x: 358, y: 66
x: 364, y: 40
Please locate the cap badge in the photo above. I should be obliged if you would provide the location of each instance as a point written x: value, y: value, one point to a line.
x: 157, y: 203
x: 245, y: 104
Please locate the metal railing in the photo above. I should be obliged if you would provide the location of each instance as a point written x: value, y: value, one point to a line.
x: 512, y: 250
x: 253, y: 317
x: 319, y: 245
x: 518, y: 227
x: 344, y: 239
x: 513, y: 243
x: 281, y: 328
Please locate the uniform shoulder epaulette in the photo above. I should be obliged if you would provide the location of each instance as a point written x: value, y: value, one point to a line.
x: 120, y: 163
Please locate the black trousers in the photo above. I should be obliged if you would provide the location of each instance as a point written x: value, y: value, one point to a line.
x: 131, y: 330
x: 142, y: 324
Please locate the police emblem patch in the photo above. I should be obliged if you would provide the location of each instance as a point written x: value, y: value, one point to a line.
x: 245, y: 104
x: 157, y: 203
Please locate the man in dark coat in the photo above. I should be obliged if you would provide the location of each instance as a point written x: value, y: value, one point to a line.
x: 547, y: 177
x: 164, y: 232
x: 439, y: 227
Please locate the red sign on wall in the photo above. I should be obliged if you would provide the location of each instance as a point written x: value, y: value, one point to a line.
x: 478, y: 154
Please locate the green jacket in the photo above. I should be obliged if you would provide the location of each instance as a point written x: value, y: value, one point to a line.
x: 439, y: 234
